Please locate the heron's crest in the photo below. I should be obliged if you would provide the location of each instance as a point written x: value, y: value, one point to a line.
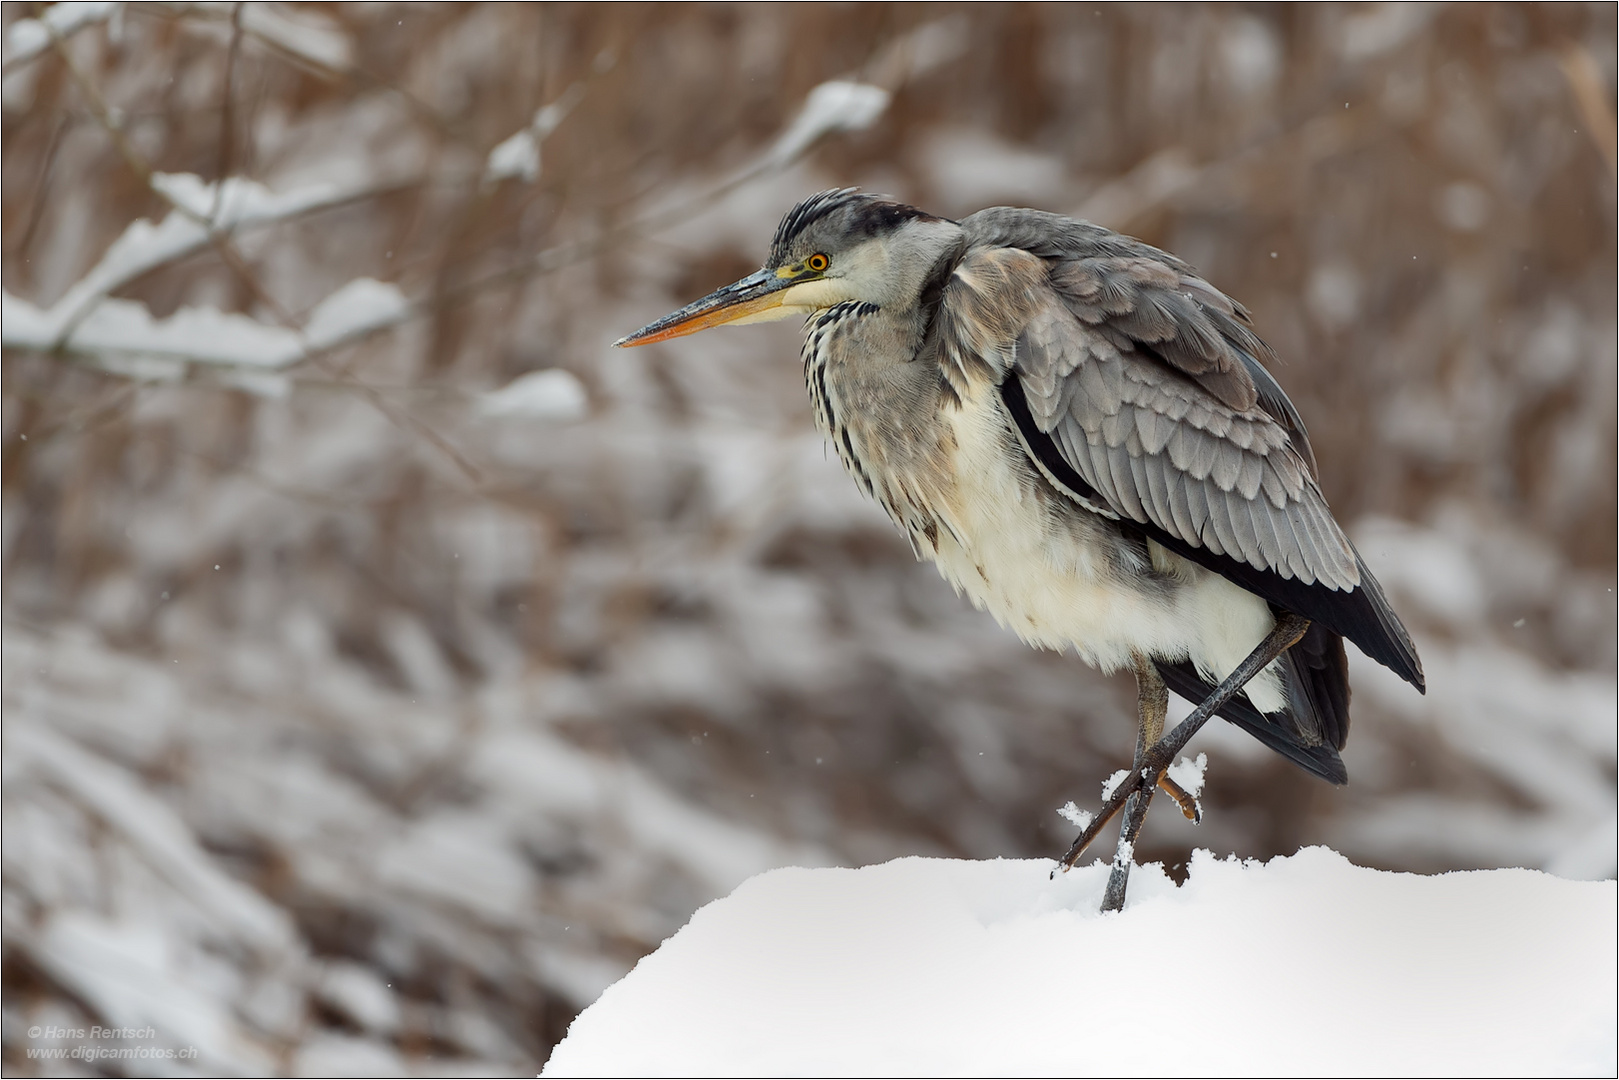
x: 810, y: 210
x: 860, y: 214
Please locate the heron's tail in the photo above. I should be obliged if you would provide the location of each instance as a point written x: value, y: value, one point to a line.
x: 1315, y: 724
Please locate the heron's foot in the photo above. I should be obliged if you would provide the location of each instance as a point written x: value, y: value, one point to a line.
x: 1135, y: 815
x: 1110, y: 809
x: 1129, y: 785
x: 1155, y: 765
x: 1150, y: 767
x: 1191, y: 808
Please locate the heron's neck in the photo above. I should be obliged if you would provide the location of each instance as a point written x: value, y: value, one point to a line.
x: 919, y: 259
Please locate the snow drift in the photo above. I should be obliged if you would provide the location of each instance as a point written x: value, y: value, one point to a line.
x: 1306, y: 965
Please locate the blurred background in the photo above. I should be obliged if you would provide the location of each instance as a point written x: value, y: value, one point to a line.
x: 389, y: 664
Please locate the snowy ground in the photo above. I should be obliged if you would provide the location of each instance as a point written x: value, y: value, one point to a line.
x: 1306, y: 965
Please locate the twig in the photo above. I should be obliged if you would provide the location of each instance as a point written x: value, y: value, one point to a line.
x: 353, y: 73
x: 77, y: 419
x: 36, y: 200
x: 227, y: 117
x: 103, y: 114
x: 1592, y: 97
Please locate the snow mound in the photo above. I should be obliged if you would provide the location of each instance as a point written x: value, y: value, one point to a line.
x: 1306, y: 965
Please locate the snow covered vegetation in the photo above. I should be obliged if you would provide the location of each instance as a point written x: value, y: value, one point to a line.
x: 1303, y: 966
x: 389, y: 664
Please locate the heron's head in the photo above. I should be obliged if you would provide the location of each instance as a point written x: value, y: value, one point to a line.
x: 836, y: 246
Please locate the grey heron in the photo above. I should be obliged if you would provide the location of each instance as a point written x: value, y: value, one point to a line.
x: 1081, y: 432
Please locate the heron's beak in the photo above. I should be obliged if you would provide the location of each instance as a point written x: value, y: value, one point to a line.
x: 759, y: 297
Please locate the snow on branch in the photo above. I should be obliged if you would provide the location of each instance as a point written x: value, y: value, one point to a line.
x: 1111, y: 784
x: 241, y: 201
x: 310, y: 36
x: 1071, y: 813
x: 144, y: 247
x: 321, y: 44
x: 553, y: 394
x: 853, y: 104
x: 832, y: 106
x: 301, y: 33
x: 1188, y: 773
x: 358, y: 308
x: 519, y: 155
x: 27, y: 38
x: 121, y: 336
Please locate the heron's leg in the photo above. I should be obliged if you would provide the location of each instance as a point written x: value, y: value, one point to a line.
x: 1152, y: 703
x: 1289, y: 628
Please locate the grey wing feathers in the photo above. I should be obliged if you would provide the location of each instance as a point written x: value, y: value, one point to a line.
x: 1140, y: 389
x: 1160, y: 448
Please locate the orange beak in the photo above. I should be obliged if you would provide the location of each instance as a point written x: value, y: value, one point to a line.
x: 752, y: 296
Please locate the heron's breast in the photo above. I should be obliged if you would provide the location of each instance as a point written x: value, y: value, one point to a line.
x: 1029, y: 560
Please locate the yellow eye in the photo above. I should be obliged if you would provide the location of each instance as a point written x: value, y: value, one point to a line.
x: 817, y: 262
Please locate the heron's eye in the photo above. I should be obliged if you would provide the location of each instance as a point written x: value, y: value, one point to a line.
x: 817, y: 262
